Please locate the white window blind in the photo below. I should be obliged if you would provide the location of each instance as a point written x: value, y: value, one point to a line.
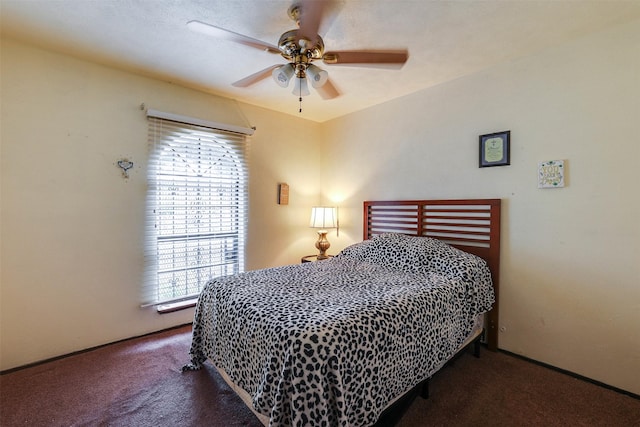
x: 196, y: 209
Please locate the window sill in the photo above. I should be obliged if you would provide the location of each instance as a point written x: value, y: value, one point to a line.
x: 177, y: 306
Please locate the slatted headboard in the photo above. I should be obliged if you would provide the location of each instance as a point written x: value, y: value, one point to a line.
x: 472, y: 225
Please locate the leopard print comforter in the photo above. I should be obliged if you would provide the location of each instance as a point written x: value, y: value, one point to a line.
x: 331, y: 343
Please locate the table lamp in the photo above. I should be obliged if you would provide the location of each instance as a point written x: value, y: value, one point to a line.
x: 323, y: 217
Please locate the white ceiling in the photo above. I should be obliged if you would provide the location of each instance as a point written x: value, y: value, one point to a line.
x: 445, y: 39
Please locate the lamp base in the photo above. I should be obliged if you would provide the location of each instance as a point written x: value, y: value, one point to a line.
x: 322, y: 244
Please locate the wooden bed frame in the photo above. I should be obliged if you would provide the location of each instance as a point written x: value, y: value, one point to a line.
x: 472, y: 225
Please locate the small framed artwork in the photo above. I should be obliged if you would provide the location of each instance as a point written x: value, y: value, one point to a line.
x: 551, y: 174
x: 495, y: 149
x: 283, y: 193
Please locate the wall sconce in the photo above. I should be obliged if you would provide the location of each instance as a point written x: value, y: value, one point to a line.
x: 323, y: 217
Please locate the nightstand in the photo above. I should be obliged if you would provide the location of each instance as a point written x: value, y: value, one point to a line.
x: 312, y: 258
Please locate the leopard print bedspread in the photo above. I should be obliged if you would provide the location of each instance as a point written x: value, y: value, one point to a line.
x: 331, y: 343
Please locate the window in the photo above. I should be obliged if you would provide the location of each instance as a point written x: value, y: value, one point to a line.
x: 196, y: 209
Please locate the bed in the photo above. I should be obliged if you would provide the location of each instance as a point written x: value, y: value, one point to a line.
x: 339, y: 341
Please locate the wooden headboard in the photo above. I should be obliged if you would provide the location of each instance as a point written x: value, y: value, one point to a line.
x: 472, y: 225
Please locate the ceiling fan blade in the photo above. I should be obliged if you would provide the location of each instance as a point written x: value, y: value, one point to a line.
x: 328, y: 90
x: 256, y: 77
x: 221, y: 33
x: 312, y: 15
x: 367, y: 58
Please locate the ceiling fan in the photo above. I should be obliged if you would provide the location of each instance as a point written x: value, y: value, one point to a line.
x: 302, y: 46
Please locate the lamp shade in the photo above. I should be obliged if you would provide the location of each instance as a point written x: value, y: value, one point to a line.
x: 301, y: 88
x: 283, y: 74
x: 317, y: 75
x: 323, y: 217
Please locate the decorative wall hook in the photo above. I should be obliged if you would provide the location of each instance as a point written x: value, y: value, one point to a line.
x: 125, y: 165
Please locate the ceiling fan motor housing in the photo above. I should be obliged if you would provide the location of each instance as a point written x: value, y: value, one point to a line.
x: 290, y: 48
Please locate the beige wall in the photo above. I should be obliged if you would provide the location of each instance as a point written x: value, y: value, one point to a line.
x: 72, y: 227
x: 570, y: 288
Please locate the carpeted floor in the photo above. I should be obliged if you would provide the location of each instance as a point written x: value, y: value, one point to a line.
x: 139, y: 383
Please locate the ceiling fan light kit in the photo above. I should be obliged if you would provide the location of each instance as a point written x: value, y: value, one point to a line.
x: 300, y: 47
x: 301, y: 88
x: 317, y: 75
x: 283, y: 74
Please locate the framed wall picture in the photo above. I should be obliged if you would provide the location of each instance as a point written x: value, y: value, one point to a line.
x: 283, y: 193
x: 495, y: 149
x: 551, y: 174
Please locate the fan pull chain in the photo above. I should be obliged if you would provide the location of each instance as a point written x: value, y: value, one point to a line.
x: 300, y: 99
